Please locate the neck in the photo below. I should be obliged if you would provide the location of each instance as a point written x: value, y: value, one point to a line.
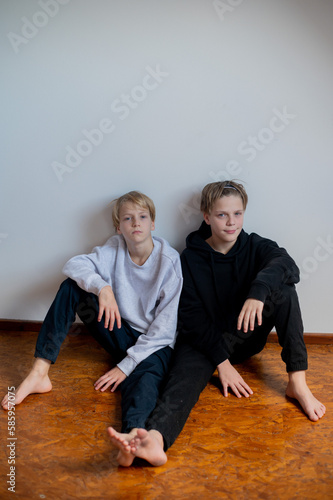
x: 218, y: 246
x: 141, y: 252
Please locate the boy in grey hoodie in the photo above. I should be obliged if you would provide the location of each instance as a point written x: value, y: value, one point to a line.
x: 126, y: 292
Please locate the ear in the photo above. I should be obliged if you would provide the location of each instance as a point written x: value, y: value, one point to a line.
x: 152, y: 227
x: 207, y: 218
x: 118, y: 230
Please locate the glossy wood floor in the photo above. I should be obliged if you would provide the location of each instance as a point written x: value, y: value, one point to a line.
x: 260, y: 448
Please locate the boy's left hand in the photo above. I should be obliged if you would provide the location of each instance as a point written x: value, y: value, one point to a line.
x: 114, y: 376
x: 251, y: 310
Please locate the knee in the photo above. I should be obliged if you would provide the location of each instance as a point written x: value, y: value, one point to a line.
x: 68, y: 284
x: 285, y: 296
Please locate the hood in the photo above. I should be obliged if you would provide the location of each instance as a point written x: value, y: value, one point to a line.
x: 197, y: 241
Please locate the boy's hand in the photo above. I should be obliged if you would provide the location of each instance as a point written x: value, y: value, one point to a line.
x: 229, y: 377
x: 109, y: 307
x: 251, y: 310
x: 114, y: 376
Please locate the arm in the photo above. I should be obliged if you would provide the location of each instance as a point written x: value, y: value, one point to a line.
x: 198, y: 329
x: 197, y: 316
x: 162, y: 329
x: 93, y: 271
x: 276, y: 268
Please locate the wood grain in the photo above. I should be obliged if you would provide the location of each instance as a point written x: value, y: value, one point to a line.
x: 258, y: 448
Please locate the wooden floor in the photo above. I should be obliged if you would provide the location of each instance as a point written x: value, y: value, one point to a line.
x: 260, y: 448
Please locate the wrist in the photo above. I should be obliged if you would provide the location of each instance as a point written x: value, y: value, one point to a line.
x: 223, y: 363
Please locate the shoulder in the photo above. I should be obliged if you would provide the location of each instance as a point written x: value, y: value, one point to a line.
x: 257, y: 240
x: 164, y: 248
x: 166, y: 254
x: 114, y: 243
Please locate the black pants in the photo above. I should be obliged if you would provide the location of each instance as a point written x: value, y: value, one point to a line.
x: 140, y: 390
x: 191, y: 370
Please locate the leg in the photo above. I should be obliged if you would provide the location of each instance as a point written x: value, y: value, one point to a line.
x: 140, y: 391
x: 53, y: 332
x: 37, y: 382
x: 289, y: 327
x: 70, y: 299
x: 298, y: 389
x: 189, y: 374
x: 139, y: 394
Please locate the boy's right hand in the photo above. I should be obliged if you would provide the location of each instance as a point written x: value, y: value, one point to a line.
x: 229, y: 377
x: 109, y: 307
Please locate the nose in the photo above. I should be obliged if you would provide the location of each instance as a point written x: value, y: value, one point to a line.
x: 136, y: 221
x: 231, y: 221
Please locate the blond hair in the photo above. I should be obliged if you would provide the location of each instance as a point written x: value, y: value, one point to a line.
x: 135, y: 197
x: 216, y: 190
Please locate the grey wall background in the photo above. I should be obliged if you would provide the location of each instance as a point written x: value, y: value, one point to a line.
x: 102, y: 97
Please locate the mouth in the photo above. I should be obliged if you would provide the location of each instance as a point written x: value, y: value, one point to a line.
x: 231, y: 232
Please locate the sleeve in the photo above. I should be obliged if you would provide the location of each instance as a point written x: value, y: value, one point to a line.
x: 276, y: 268
x: 196, y: 325
x: 92, y: 271
x: 162, y: 330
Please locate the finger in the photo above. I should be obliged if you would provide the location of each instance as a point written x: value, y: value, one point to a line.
x: 246, y: 322
x: 115, y: 385
x: 240, y: 320
x: 100, y: 381
x: 106, y: 385
x: 107, y: 318
x: 246, y: 389
x: 252, y: 320
x: 225, y: 390
x: 99, y: 384
x: 259, y: 316
x: 235, y: 391
x: 111, y: 321
x: 100, y: 313
x: 118, y: 319
x: 243, y: 392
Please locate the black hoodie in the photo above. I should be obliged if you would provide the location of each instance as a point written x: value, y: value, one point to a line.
x: 217, y: 285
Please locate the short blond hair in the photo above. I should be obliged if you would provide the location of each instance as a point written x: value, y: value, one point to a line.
x: 135, y: 197
x: 216, y: 190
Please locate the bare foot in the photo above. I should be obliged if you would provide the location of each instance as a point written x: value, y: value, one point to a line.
x: 297, y: 388
x: 149, y: 446
x: 36, y: 382
x: 121, y: 441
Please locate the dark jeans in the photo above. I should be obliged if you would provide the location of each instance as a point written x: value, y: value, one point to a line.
x: 191, y: 370
x: 140, y: 389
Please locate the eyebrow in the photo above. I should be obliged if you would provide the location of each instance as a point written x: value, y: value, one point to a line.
x: 225, y: 212
x: 140, y: 212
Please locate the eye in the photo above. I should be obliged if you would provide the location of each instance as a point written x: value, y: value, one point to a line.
x: 143, y: 216
x: 221, y: 215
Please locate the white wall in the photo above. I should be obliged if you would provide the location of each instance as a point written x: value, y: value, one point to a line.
x: 226, y: 70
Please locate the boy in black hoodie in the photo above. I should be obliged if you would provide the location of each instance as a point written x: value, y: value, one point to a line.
x: 237, y: 287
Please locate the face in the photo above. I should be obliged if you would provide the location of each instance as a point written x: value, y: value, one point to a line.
x: 226, y: 221
x: 135, y: 223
